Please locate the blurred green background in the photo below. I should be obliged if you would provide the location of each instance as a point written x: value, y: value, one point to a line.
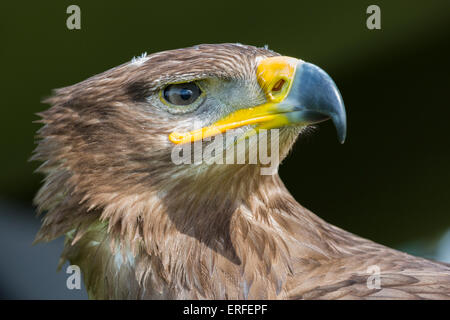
x: 389, y: 182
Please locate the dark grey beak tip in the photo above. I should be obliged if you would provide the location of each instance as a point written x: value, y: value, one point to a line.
x: 340, y: 123
x: 318, y: 92
x: 341, y: 138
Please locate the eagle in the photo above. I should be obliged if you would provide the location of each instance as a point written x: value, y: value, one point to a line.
x: 141, y: 226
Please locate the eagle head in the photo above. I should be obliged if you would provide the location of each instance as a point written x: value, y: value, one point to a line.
x: 109, y: 143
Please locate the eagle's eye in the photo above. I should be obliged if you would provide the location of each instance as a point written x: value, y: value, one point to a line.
x: 181, y: 94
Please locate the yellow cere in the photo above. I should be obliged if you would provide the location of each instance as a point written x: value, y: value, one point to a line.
x: 275, y: 76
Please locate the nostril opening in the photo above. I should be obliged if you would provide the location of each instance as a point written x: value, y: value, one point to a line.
x: 278, y: 86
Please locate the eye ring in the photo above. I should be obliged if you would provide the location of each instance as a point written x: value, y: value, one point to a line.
x: 181, y: 94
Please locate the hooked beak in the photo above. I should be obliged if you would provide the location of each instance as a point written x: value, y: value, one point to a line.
x: 298, y: 94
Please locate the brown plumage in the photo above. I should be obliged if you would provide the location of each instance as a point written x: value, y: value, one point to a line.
x: 140, y: 226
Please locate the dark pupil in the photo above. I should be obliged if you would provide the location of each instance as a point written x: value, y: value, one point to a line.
x: 181, y: 94
x: 185, y: 94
